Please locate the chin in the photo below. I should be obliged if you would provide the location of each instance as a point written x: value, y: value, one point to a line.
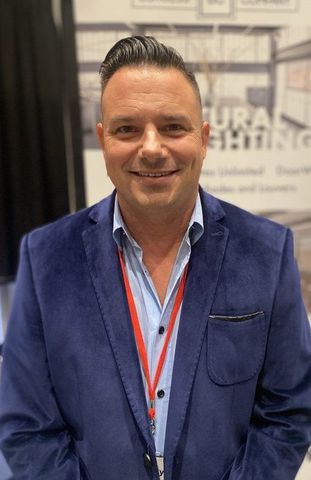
x: 159, y: 201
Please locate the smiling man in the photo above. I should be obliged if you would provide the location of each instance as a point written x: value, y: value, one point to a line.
x: 154, y: 143
x: 160, y: 333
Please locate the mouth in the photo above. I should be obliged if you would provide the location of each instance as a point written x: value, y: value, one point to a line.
x: 154, y: 174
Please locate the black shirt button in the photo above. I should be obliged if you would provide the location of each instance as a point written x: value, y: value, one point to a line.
x: 147, y: 460
x: 161, y: 330
x: 161, y: 393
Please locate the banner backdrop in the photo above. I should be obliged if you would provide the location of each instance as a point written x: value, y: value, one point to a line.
x: 252, y: 60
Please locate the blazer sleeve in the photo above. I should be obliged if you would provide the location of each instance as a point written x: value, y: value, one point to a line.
x: 280, y: 430
x: 34, y: 437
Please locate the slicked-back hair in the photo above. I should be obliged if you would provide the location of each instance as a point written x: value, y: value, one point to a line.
x: 144, y: 50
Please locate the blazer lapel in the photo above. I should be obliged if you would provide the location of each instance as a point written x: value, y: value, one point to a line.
x: 206, y: 260
x: 103, y: 263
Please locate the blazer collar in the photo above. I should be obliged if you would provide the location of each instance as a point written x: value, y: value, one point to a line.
x: 204, y: 268
x: 104, y: 268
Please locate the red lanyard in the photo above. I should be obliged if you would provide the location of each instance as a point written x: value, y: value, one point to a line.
x: 139, y: 337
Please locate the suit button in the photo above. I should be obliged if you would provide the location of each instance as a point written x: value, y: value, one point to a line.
x: 161, y: 330
x: 147, y: 460
x: 161, y: 393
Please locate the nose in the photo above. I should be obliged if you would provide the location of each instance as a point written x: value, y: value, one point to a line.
x: 152, y: 148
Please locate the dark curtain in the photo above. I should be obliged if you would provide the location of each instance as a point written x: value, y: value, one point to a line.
x: 41, y: 173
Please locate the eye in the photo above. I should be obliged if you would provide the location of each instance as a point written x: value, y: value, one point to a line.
x: 124, y: 129
x: 173, y: 128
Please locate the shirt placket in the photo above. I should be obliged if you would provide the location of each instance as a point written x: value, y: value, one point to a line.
x: 151, y: 319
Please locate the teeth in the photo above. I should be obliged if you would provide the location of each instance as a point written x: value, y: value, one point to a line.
x: 156, y: 174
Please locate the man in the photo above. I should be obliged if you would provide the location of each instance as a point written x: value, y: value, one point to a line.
x: 162, y: 328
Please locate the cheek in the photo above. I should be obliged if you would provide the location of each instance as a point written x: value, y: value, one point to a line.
x: 190, y: 146
x: 117, y: 155
x: 190, y: 153
x: 113, y: 165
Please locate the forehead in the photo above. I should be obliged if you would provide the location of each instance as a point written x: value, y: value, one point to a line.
x: 149, y: 84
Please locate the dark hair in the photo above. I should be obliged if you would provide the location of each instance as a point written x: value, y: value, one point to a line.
x: 143, y: 50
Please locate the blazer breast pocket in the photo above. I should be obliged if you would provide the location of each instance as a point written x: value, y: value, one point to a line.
x: 235, y: 347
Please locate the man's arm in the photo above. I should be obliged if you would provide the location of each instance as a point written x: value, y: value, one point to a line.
x: 33, y: 435
x: 280, y: 431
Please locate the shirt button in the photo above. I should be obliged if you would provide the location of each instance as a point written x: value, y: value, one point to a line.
x: 161, y: 330
x: 147, y: 460
x: 161, y: 393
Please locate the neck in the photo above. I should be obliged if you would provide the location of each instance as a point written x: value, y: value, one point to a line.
x: 158, y: 232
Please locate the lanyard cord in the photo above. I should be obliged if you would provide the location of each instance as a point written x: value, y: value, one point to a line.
x: 139, y: 337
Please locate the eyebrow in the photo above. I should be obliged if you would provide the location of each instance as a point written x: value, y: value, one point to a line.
x: 166, y: 118
x: 121, y: 118
x: 175, y: 118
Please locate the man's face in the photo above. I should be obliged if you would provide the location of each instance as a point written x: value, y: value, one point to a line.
x: 153, y: 138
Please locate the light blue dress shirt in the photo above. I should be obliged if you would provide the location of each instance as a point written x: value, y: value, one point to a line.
x: 151, y: 314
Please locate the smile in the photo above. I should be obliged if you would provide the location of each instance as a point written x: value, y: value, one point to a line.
x: 153, y: 174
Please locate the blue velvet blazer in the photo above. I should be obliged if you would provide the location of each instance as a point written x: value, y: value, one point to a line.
x: 72, y: 399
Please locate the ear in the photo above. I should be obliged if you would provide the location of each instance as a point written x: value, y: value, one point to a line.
x: 204, y: 136
x: 100, y: 134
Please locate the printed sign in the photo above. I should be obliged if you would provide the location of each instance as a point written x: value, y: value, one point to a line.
x: 252, y: 62
x: 216, y: 7
x: 175, y: 4
x: 267, y: 5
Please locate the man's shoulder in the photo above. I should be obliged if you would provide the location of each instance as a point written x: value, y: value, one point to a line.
x: 243, y: 224
x: 69, y: 228
x: 242, y: 219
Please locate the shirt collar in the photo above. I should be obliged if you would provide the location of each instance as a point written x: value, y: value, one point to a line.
x: 194, y: 232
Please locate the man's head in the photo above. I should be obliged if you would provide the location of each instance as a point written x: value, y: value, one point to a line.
x: 140, y: 51
x: 152, y: 134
